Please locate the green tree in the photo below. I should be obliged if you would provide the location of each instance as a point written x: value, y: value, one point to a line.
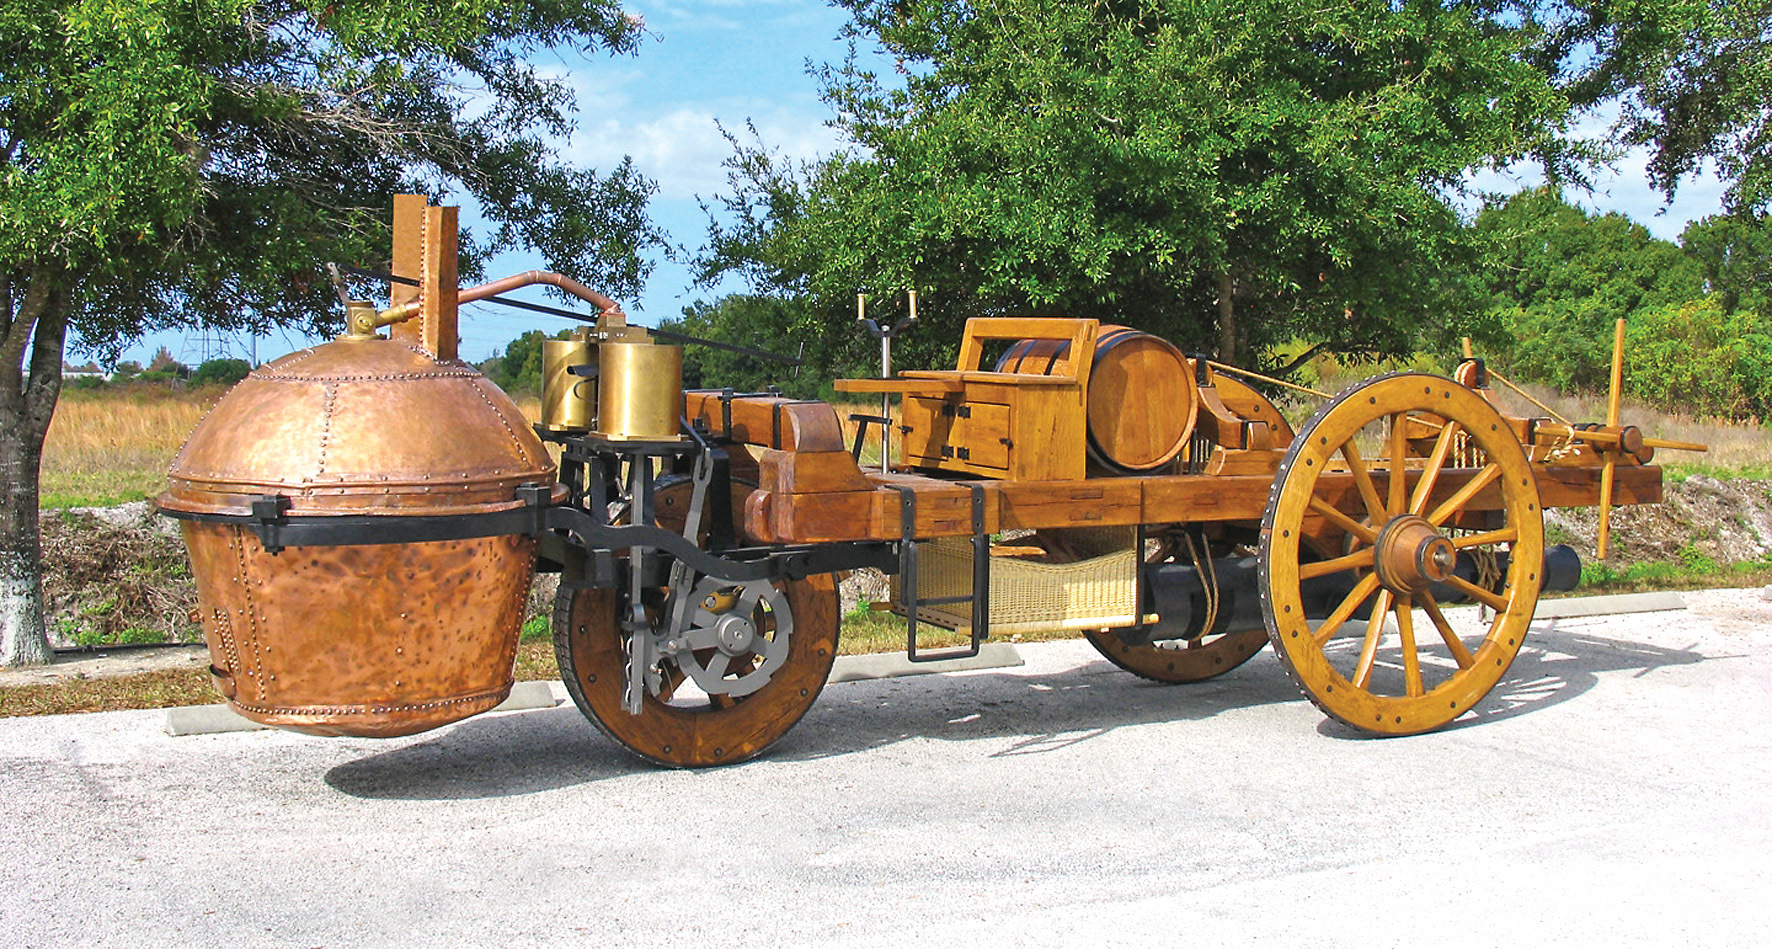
x: 1226, y: 174
x: 1558, y: 278
x: 1734, y: 252
x: 517, y: 367
x: 771, y: 324
x: 220, y: 372
x: 1693, y: 79
x: 1701, y: 358
x: 179, y: 162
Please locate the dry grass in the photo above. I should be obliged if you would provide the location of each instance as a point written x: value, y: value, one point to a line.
x: 1737, y: 449
x: 109, y: 446
x: 165, y: 689
x: 114, y: 445
x: 171, y: 688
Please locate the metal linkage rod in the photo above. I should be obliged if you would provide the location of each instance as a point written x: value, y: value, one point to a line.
x: 1233, y: 370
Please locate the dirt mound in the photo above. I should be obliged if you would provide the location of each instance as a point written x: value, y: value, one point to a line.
x: 116, y: 575
x: 1701, y: 517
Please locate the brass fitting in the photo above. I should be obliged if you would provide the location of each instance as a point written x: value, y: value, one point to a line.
x: 362, y: 319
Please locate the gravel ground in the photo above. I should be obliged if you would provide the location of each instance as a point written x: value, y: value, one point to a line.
x: 1613, y: 791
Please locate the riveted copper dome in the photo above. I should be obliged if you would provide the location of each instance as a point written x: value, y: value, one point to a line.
x: 360, y: 638
x: 359, y: 427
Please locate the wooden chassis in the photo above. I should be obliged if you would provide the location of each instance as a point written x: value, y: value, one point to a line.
x: 812, y: 491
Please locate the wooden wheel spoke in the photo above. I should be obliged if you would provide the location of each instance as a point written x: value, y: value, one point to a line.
x: 1506, y: 535
x: 1460, y: 654
x: 1496, y: 601
x: 1452, y: 505
x: 1336, y: 517
x: 1363, y: 480
x: 1399, y: 466
x: 1353, y: 561
x: 1349, y: 604
x: 1436, y: 462
x: 1411, y: 661
x: 1369, y: 647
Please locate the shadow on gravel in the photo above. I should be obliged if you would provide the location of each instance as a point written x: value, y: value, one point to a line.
x: 529, y: 752
x: 1554, y: 666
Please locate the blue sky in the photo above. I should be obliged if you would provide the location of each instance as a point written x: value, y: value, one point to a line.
x: 733, y: 61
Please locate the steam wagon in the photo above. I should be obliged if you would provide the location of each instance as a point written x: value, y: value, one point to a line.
x: 365, y: 517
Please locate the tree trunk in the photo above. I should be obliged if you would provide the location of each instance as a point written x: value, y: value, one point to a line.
x: 1227, y: 319
x: 33, y: 327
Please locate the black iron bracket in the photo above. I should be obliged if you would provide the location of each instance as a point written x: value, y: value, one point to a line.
x: 277, y: 529
x: 980, y: 597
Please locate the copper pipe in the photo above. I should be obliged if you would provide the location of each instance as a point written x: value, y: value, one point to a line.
x: 603, y: 304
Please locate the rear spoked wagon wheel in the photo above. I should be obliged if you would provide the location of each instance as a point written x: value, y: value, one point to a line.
x: 765, y: 650
x: 1177, y: 661
x: 1439, y: 504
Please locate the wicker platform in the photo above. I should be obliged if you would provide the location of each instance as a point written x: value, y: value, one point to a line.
x: 1098, y: 592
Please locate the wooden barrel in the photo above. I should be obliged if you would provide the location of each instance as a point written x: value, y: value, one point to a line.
x: 1141, y: 402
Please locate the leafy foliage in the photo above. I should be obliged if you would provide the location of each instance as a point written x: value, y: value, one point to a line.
x: 192, y: 162
x: 1698, y: 327
x: 1734, y: 253
x: 770, y: 324
x: 1694, y: 78
x: 1559, y: 278
x: 223, y: 372
x: 1701, y: 357
x: 517, y: 367
x: 1133, y: 160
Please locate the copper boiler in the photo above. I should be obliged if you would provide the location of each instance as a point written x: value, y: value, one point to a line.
x: 360, y: 639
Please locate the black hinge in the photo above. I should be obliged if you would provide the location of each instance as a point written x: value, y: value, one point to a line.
x: 964, y: 453
x: 963, y: 411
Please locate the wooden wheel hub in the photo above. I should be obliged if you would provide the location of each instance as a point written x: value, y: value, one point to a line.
x: 1411, y: 555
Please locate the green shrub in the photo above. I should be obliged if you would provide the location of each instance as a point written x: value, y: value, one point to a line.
x: 224, y: 372
x: 1697, y: 357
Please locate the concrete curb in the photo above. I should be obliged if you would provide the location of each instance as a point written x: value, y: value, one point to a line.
x: 888, y: 665
x: 217, y: 719
x: 1577, y: 606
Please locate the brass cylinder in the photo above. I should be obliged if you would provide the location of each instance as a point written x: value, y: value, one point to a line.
x: 639, y: 391
x: 568, y: 402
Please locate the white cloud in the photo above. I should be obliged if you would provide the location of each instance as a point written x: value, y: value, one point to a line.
x: 1623, y: 187
x: 683, y: 149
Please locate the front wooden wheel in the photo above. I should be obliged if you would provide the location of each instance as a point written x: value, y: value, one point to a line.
x: 679, y: 725
x: 1446, y: 507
